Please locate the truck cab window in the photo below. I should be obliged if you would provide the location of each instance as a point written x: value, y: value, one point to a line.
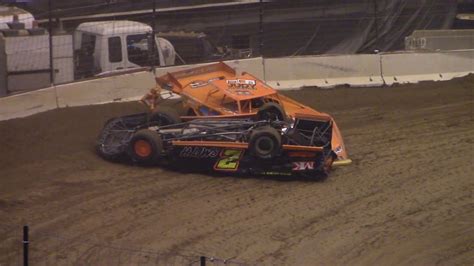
x: 84, y: 57
x: 88, y: 43
x: 138, y: 49
x: 115, y: 50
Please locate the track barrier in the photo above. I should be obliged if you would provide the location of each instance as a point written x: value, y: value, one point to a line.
x: 413, y: 67
x: 27, y: 104
x: 281, y: 73
x: 323, y: 71
x: 103, y: 90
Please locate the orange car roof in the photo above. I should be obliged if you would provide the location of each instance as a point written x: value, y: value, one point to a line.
x: 201, y: 81
x: 247, y: 92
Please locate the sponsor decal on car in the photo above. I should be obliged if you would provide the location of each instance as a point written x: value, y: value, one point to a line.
x: 199, y: 152
x: 247, y: 84
x: 198, y: 83
x: 303, y: 166
x: 229, y: 160
x: 201, y: 83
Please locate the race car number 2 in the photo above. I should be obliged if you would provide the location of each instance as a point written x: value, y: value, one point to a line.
x: 229, y: 160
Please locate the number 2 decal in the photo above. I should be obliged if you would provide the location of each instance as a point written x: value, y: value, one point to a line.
x: 229, y: 160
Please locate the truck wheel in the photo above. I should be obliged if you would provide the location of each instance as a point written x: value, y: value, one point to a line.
x: 163, y: 116
x: 271, y: 111
x: 265, y: 143
x: 145, y: 147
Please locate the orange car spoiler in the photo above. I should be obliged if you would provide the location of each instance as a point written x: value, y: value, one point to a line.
x: 208, y: 71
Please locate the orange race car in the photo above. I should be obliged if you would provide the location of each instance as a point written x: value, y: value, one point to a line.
x: 217, y: 90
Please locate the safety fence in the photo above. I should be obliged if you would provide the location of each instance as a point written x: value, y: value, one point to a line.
x: 22, y: 247
x: 96, y: 37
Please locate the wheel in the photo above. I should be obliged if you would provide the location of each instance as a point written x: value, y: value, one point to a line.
x: 265, y: 143
x: 163, y: 116
x: 112, y: 140
x: 271, y: 111
x: 145, y: 147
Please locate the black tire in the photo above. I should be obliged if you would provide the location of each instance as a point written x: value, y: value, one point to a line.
x: 265, y: 143
x: 271, y: 111
x: 112, y: 140
x: 163, y: 116
x: 145, y: 147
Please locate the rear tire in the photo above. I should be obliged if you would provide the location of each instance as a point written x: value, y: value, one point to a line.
x: 111, y: 142
x: 146, y: 147
x: 265, y: 143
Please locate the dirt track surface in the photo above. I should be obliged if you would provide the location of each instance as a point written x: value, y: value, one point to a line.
x: 408, y: 198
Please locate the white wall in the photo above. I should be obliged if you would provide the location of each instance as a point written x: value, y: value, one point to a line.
x: 412, y: 67
x: 109, y: 89
x: 323, y: 71
x: 27, y: 104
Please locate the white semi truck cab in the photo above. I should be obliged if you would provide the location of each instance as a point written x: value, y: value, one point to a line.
x: 93, y: 49
x: 108, y: 46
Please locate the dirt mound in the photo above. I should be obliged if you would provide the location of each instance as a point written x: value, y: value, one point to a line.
x: 407, y: 199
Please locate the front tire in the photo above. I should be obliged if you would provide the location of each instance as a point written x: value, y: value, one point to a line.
x: 146, y: 147
x: 112, y: 141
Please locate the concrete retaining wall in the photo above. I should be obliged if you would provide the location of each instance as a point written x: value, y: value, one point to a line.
x: 323, y: 71
x: 26, y: 104
x: 412, y: 67
x: 109, y: 89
